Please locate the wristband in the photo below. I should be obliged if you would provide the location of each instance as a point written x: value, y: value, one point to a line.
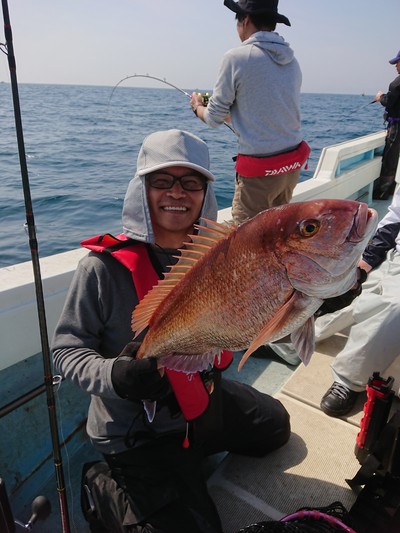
x: 363, y: 275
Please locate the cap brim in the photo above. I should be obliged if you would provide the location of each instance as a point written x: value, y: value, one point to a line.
x: 160, y: 166
x: 233, y: 6
x: 394, y: 60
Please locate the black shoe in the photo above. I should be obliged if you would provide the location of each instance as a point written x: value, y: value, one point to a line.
x: 338, y: 400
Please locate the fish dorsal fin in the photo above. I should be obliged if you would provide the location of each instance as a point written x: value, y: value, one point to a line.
x: 216, y: 229
x: 199, y: 246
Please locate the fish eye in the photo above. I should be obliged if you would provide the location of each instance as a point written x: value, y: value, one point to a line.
x: 310, y: 227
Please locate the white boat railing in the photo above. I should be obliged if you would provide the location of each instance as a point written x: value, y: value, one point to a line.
x: 345, y: 170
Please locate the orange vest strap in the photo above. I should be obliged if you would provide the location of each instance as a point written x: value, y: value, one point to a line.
x: 189, y: 389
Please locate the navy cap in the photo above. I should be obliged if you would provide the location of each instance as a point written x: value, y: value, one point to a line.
x: 395, y: 59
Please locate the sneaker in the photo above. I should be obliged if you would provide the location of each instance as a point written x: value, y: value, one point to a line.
x: 338, y: 400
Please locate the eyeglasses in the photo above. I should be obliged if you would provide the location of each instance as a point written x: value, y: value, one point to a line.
x: 190, y: 182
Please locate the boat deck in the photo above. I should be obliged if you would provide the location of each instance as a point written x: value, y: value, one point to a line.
x: 311, y: 469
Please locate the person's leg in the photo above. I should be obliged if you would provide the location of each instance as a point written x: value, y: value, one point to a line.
x: 254, y: 423
x: 166, y: 487
x: 372, y: 344
x: 288, y: 182
x: 385, y: 184
x: 253, y: 195
x: 373, y: 341
x: 105, y: 504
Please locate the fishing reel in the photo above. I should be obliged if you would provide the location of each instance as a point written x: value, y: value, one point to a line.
x: 205, y: 97
x: 41, y: 508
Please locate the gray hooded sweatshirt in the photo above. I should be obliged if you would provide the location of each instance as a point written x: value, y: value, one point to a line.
x: 95, y: 325
x: 259, y: 85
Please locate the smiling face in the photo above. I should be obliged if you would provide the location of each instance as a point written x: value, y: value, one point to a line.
x: 173, y: 211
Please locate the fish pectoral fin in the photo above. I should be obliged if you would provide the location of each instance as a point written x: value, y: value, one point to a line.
x: 273, y: 326
x: 303, y: 340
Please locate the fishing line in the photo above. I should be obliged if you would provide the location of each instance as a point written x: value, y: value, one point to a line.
x: 8, y: 48
x: 162, y: 80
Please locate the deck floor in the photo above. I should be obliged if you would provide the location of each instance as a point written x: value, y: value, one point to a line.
x: 311, y: 470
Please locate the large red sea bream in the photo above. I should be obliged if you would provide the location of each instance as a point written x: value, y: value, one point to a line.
x: 238, y: 287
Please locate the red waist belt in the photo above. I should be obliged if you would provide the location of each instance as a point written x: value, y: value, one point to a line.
x: 250, y: 166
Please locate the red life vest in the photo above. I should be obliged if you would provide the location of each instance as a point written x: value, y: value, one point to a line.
x: 189, y: 389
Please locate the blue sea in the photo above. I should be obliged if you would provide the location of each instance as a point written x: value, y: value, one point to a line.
x: 81, y: 145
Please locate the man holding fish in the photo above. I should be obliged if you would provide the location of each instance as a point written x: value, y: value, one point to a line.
x: 153, y: 424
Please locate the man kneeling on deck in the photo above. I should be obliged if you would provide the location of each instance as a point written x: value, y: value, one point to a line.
x: 154, y: 426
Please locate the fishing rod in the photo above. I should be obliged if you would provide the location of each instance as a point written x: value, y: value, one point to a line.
x: 162, y: 80
x: 364, y: 105
x: 33, y: 243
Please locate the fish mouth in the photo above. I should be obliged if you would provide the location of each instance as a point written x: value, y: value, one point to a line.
x: 365, y: 221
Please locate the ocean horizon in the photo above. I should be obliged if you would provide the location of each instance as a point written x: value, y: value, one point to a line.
x: 81, y: 144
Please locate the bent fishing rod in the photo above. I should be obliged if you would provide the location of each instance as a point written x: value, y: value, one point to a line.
x: 8, y: 49
x: 162, y: 80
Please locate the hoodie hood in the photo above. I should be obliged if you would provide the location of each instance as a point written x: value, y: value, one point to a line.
x: 161, y: 150
x: 272, y: 44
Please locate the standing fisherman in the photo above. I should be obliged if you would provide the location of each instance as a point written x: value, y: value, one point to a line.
x: 385, y: 184
x: 258, y: 90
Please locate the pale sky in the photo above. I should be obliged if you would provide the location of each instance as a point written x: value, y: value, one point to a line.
x: 343, y: 46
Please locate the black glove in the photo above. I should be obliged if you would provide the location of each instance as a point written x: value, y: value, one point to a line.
x: 331, y: 305
x: 138, y: 379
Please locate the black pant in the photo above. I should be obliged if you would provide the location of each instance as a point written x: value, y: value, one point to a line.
x: 385, y: 184
x: 166, y: 487
x: 165, y: 482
